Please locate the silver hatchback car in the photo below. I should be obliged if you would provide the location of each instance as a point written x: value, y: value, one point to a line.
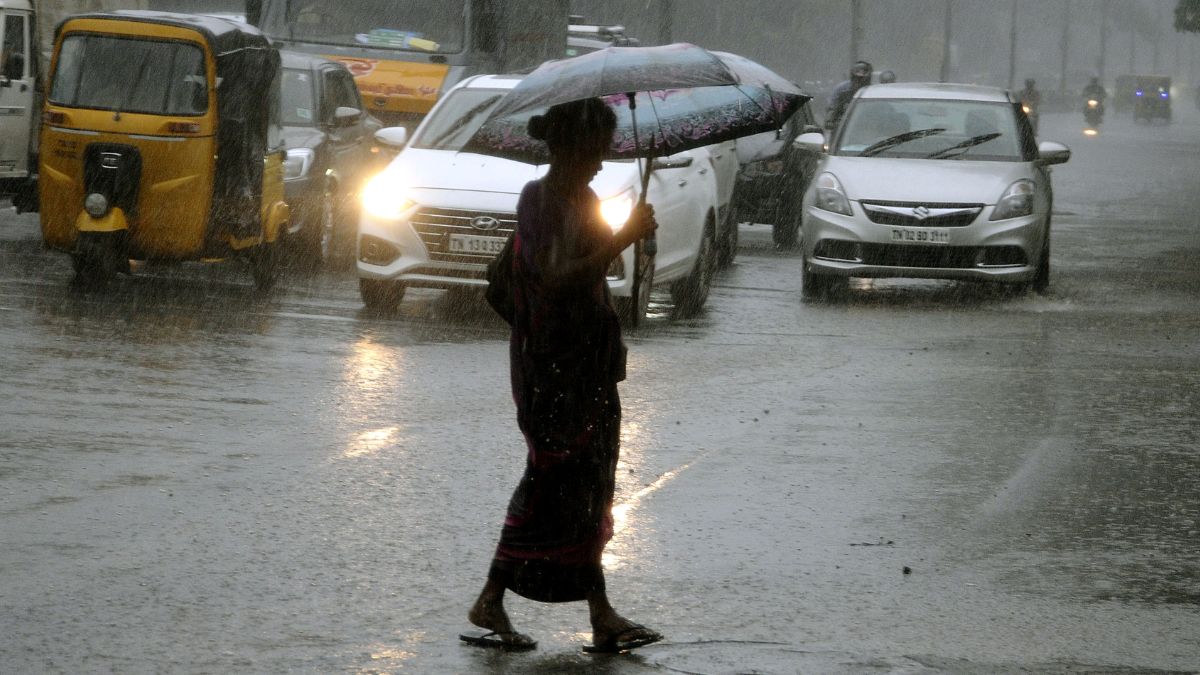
x: 938, y: 181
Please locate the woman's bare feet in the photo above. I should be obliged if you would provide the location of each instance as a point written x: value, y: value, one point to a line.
x: 612, y: 632
x: 488, y: 613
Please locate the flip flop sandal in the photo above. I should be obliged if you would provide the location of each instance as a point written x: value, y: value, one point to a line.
x: 615, y: 645
x: 509, y: 641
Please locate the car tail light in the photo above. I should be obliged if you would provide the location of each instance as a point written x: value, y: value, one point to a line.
x: 183, y: 127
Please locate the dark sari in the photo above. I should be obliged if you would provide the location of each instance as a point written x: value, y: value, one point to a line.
x: 566, y: 359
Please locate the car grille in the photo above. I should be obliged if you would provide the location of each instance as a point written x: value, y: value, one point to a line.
x: 920, y: 214
x: 928, y: 257
x: 435, y: 226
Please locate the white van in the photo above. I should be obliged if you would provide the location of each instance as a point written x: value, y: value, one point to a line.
x: 18, y: 96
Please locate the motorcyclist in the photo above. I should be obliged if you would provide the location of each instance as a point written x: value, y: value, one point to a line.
x: 1031, y: 102
x: 860, y: 76
x: 1094, y: 91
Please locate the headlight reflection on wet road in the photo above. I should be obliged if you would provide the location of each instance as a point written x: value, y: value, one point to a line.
x: 369, y: 380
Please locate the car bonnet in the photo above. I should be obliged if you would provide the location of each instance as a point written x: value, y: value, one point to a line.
x: 924, y: 180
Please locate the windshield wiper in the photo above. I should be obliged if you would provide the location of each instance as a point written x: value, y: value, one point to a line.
x: 965, y: 145
x: 899, y: 139
x: 464, y: 120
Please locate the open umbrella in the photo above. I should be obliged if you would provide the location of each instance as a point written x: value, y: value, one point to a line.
x: 689, y: 98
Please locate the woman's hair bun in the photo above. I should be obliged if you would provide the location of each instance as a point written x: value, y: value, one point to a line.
x: 539, y: 127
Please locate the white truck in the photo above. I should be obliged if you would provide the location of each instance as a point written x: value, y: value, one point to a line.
x: 19, y: 91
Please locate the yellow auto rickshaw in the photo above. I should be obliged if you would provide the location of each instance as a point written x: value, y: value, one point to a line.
x: 160, y: 141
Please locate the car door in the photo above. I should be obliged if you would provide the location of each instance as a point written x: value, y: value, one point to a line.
x: 724, y: 160
x: 349, y: 144
x: 16, y: 94
x: 679, y: 191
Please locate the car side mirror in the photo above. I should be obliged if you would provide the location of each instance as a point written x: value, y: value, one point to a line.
x: 812, y: 129
x: 672, y: 162
x: 394, y: 138
x: 346, y: 116
x: 1050, y: 153
x: 812, y: 141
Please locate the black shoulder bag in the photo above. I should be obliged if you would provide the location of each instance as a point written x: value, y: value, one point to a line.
x: 499, y: 292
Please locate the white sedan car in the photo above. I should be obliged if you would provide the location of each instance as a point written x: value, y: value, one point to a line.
x: 436, y: 216
x: 930, y: 180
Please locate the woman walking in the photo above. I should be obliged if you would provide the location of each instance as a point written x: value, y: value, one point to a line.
x: 566, y: 360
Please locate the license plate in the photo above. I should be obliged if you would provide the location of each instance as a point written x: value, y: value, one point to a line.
x: 913, y: 235
x: 469, y: 243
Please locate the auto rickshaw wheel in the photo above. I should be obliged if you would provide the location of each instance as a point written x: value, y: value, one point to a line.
x: 97, y: 258
x: 381, y: 295
x: 264, y: 265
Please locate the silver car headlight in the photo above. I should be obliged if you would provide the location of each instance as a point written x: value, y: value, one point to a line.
x: 297, y: 163
x: 830, y: 196
x: 1016, y: 201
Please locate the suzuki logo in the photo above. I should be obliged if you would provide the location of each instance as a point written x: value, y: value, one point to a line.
x: 485, y: 223
x: 921, y: 212
x: 110, y: 160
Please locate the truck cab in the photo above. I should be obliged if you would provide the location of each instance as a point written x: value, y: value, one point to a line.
x: 18, y: 97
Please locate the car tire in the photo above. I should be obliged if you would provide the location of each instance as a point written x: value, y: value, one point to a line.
x: 1041, y: 281
x: 380, y: 295
x: 727, y: 243
x: 785, y: 232
x: 316, y: 240
x: 632, y: 311
x: 691, y: 292
x: 814, y: 286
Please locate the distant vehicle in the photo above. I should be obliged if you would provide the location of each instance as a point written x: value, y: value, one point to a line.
x: 773, y: 177
x: 934, y: 181
x: 1093, y: 112
x: 404, y: 55
x: 19, y: 103
x: 1152, y: 98
x: 329, y: 138
x: 435, y: 217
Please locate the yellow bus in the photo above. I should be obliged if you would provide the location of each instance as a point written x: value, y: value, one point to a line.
x: 405, y: 53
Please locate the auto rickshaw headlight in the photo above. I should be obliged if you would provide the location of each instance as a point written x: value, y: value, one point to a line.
x: 297, y: 164
x: 96, y: 205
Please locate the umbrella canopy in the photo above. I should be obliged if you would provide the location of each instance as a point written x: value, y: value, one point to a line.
x: 686, y: 97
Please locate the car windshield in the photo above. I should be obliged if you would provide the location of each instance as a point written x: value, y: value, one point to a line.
x: 407, y: 25
x: 299, y: 103
x: 457, y: 119
x: 130, y: 75
x: 931, y: 129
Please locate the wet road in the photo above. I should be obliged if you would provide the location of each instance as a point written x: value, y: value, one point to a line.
x: 196, y: 478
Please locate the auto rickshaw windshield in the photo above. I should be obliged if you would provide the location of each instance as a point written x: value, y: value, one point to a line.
x: 130, y: 75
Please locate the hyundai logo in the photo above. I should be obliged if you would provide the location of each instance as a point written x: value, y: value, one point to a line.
x: 485, y: 223
x: 921, y: 212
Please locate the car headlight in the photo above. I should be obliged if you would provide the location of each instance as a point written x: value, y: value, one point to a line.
x: 297, y: 163
x: 616, y: 210
x: 384, y: 196
x: 1016, y: 201
x: 830, y: 196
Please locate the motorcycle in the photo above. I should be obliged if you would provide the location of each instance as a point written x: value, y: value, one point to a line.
x: 1093, y: 113
x: 1031, y: 111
